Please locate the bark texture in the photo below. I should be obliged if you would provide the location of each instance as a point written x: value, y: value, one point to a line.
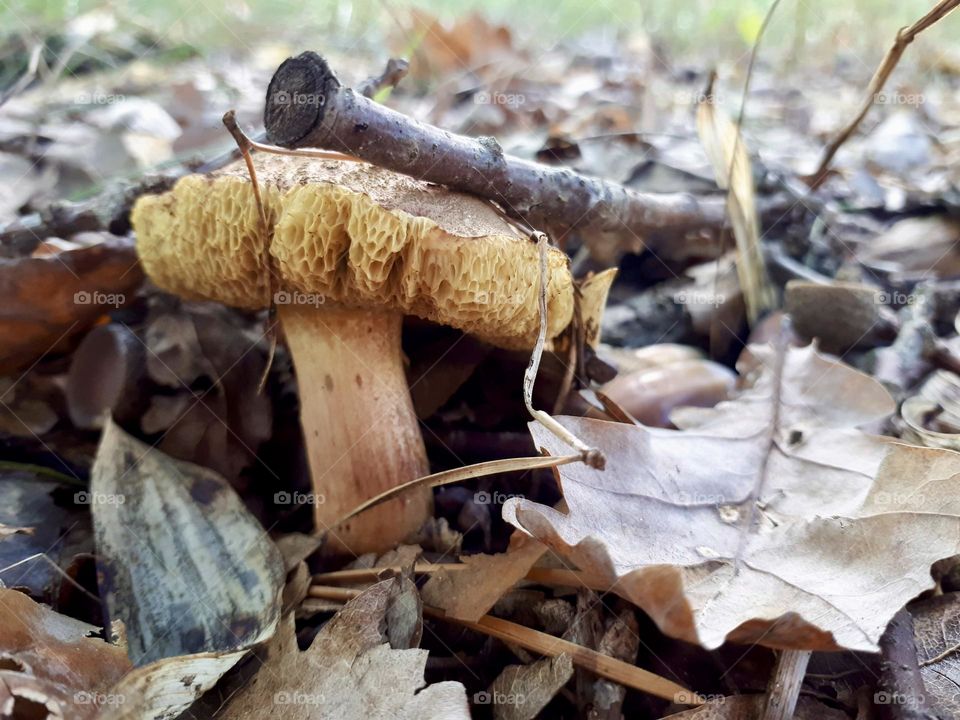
x: 307, y: 106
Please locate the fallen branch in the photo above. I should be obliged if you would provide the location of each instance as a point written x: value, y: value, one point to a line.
x: 306, y: 106
x: 905, y: 36
x: 392, y: 74
x: 109, y: 210
x: 540, y: 642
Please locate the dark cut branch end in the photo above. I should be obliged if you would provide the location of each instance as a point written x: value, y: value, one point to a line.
x: 297, y: 98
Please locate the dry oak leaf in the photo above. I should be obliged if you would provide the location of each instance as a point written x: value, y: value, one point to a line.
x: 163, y: 689
x: 768, y: 519
x: 469, y: 594
x: 51, y: 297
x: 180, y: 559
x: 52, y: 661
x: 520, y: 692
x: 349, y: 672
x: 936, y: 630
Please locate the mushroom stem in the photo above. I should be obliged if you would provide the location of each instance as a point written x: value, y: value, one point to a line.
x: 360, y: 429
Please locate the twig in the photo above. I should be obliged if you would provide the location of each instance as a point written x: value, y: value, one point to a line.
x: 110, y: 210
x: 784, y: 689
x: 307, y: 107
x: 314, y: 153
x: 941, y: 656
x: 571, y: 578
x: 33, y: 64
x: 602, y: 665
x: 905, y: 36
x: 392, y: 74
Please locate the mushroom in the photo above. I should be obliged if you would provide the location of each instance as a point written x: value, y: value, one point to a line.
x: 353, y: 248
x: 105, y: 371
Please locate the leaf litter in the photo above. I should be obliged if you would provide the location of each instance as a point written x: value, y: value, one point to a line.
x: 780, y: 505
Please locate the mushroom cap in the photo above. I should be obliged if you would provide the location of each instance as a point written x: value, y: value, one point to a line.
x: 355, y: 235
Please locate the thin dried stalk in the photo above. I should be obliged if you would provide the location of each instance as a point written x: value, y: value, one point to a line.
x: 469, y: 472
x: 784, y: 690
x: 541, y: 576
x: 905, y: 36
x: 741, y: 206
x: 591, y: 456
x: 539, y: 642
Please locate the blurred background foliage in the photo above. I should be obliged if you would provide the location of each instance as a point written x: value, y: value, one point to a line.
x: 804, y: 31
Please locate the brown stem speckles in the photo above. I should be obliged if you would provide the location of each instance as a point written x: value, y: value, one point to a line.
x: 362, y: 435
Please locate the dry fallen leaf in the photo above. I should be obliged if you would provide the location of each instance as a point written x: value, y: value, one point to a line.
x: 469, y: 42
x: 622, y: 641
x: 769, y: 519
x: 349, y: 672
x: 917, y: 247
x: 50, y: 298
x: 594, y: 290
x: 936, y: 628
x: 181, y: 560
x: 520, y: 692
x: 53, y: 660
x: 651, y: 395
x: 932, y: 416
x: 841, y: 315
x: 190, y: 343
x: 469, y: 594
